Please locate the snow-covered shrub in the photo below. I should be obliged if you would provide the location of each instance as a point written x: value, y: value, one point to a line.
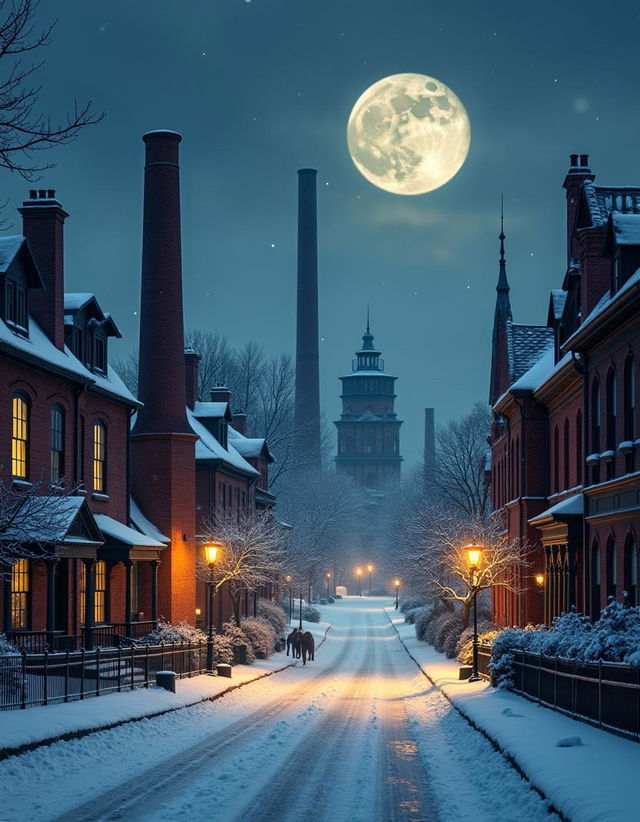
x: 10, y: 671
x: 330, y: 600
x: 222, y: 650
x: 422, y: 618
x: 261, y: 636
x: 615, y: 637
x: 412, y: 602
x: 274, y: 615
x: 433, y: 621
x: 487, y: 632
x: 449, y: 634
x: 310, y: 614
x: 501, y: 665
x: 237, y: 636
x: 338, y: 596
x: 172, y: 632
x: 411, y: 616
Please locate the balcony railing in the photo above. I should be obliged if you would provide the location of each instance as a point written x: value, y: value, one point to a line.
x: 110, y: 635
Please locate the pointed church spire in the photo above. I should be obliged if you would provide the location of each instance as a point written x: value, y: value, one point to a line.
x: 503, y: 284
x: 367, y: 318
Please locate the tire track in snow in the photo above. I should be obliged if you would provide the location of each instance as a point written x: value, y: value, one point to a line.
x: 136, y: 797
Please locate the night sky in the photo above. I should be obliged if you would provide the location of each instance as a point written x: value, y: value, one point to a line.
x: 261, y: 88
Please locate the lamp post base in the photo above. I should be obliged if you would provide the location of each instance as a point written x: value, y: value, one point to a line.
x: 475, y: 678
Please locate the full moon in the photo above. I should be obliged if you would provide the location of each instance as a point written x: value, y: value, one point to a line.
x: 408, y: 134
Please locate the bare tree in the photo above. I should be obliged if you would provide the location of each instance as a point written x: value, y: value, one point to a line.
x: 461, y: 453
x: 439, y: 558
x: 33, y: 520
x: 216, y: 359
x: 24, y: 129
x: 252, y: 552
x: 247, y: 374
x: 126, y: 368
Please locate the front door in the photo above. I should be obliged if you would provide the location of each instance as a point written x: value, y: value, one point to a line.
x: 62, y: 596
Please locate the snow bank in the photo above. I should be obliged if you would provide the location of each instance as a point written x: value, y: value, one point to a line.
x: 595, y: 781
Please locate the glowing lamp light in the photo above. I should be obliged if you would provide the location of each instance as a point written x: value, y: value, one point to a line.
x: 474, y: 553
x: 211, y: 552
x: 287, y: 578
x: 359, y: 572
x: 328, y: 575
x: 198, y: 611
x: 369, y: 567
x: 540, y: 579
x: 397, y: 583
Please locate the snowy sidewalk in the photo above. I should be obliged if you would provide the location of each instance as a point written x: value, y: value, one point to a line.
x: 593, y: 782
x: 45, y: 724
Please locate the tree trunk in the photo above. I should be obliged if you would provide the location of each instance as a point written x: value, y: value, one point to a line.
x: 235, y: 604
x: 466, y: 611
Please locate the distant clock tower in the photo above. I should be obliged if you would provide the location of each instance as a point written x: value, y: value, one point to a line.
x: 368, y: 429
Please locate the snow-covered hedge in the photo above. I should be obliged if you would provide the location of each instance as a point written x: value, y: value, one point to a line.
x: 261, y: 636
x: 10, y: 673
x: 412, y: 602
x: 441, y: 626
x: 237, y: 636
x: 310, y: 614
x: 614, y: 637
x: 414, y: 614
x: 274, y: 615
x: 487, y: 632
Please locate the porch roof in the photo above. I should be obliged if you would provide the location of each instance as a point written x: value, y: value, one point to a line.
x: 570, y: 507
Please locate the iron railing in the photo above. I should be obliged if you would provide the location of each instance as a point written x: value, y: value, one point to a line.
x: 605, y: 694
x: 110, y: 635
x: 43, y: 679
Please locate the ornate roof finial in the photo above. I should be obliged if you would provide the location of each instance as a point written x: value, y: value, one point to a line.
x: 503, y: 285
x: 367, y: 318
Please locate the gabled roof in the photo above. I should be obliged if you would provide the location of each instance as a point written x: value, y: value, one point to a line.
x: 556, y: 306
x: 212, y: 410
x: 569, y: 507
x: 52, y: 519
x: 78, y: 301
x: 14, y: 246
x: 208, y: 448
x: 249, y: 447
x: 369, y: 416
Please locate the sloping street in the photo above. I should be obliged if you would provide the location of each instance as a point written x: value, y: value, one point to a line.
x: 358, y: 734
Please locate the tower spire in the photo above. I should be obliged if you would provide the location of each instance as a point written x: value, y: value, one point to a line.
x: 503, y: 284
x: 367, y: 318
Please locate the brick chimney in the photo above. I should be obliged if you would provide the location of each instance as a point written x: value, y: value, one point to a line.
x: 239, y: 421
x: 579, y: 171
x: 162, y: 443
x: 220, y: 393
x: 43, y: 225
x: 307, y: 397
x: 191, y: 363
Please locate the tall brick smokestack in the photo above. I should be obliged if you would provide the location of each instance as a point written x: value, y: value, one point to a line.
x: 162, y: 443
x: 307, y: 401
x: 429, y: 447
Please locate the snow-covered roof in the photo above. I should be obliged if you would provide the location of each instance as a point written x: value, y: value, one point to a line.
x: 558, y: 298
x: 604, y: 302
x: 74, y: 301
x: 209, y: 410
x: 208, y: 447
x: 601, y: 200
x: 537, y: 373
x: 368, y: 373
x: 249, y: 446
x: 112, y: 528
x: 38, y: 345
x: 9, y: 247
x: 144, y: 525
x: 626, y: 228
x: 571, y: 506
x: 369, y: 416
x: 50, y: 519
x: 528, y: 343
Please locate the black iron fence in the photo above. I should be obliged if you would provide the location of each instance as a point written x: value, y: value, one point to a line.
x: 43, y: 679
x: 110, y: 635
x: 605, y: 694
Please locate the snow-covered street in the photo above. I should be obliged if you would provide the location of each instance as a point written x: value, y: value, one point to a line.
x: 359, y: 734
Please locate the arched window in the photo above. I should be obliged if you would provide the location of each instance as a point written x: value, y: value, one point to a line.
x: 579, y: 455
x: 57, y: 444
x: 595, y: 580
x: 612, y: 439
x: 630, y: 403
x: 631, y: 570
x: 556, y: 459
x: 19, y: 436
x: 99, y: 457
x: 612, y: 579
x: 567, y: 483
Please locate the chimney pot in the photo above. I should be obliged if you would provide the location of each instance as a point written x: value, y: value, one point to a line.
x: 51, y: 193
x: 573, y: 160
x: 42, y: 193
x: 33, y: 193
x: 584, y: 160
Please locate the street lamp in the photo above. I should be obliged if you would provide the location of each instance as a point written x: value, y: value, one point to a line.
x: 474, y: 554
x: 540, y: 580
x: 359, y: 575
x: 300, y: 625
x: 397, y: 585
x: 211, y: 551
x: 327, y: 576
x: 288, y: 579
x: 369, y: 569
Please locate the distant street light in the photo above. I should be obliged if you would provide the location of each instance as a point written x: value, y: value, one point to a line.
x: 359, y: 575
x: 211, y: 551
x: 540, y: 580
x: 397, y: 584
x: 288, y: 579
x: 327, y: 576
x: 474, y: 553
x: 300, y: 625
x: 369, y: 569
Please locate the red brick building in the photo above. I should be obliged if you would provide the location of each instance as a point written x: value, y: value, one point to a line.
x: 565, y: 438
x: 135, y: 478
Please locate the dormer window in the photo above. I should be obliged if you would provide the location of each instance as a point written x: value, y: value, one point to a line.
x: 99, y: 353
x: 16, y: 305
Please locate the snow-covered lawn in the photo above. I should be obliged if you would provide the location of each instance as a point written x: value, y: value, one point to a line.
x: 596, y: 781
x: 20, y: 728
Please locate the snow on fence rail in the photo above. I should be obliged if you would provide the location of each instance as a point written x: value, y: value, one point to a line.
x: 43, y: 679
x: 605, y: 694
